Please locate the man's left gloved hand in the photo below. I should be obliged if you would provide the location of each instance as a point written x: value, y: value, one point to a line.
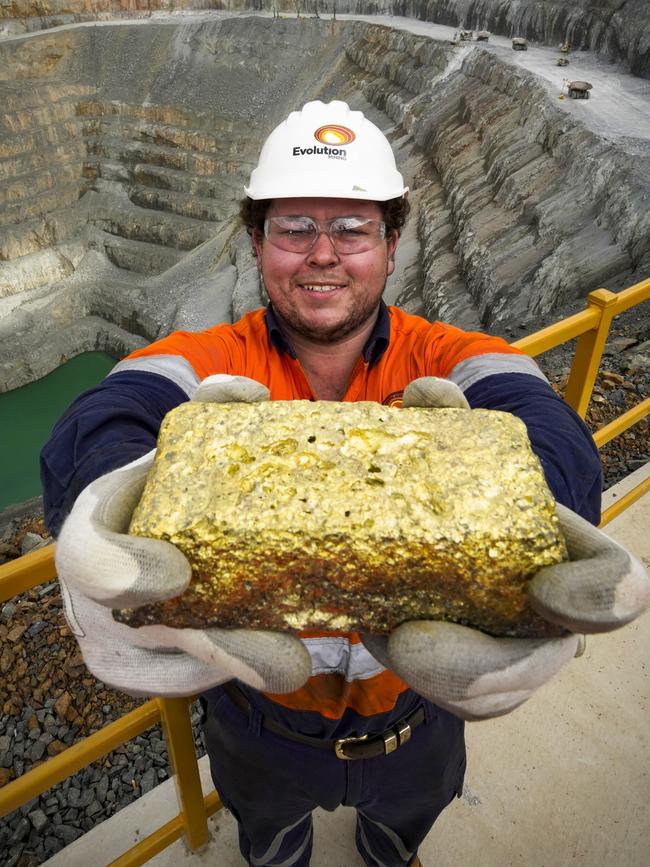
x: 476, y: 676
x: 101, y: 567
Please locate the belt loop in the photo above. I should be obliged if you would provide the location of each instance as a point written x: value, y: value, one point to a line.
x: 428, y: 712
x: 255, y: 720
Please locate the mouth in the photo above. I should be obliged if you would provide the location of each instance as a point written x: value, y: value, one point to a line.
x: 321, y: 288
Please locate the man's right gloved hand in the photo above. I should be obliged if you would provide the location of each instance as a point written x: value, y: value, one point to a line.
x: 101, y: 567
x: 476, y: 676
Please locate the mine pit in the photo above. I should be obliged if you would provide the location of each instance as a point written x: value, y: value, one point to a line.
x: 124, y: 149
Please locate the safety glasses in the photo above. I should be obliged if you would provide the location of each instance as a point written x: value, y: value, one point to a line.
x: 349, y: 235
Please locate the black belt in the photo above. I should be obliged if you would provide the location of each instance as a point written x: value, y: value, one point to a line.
x: 365, y: 747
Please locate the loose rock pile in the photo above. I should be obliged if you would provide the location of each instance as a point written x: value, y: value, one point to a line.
x: 49, y: 702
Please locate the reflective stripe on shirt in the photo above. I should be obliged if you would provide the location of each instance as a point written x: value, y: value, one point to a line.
x: 337, y: 655
x: 470, y: 371
x: 173, y: 367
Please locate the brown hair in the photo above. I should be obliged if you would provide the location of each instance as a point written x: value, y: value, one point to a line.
x: 253, y: 213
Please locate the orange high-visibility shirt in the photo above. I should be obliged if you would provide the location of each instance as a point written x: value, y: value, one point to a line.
x: 345, y: 675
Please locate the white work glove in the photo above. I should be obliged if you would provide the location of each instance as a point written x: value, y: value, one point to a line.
x: 101, y: 567
x: 431, y: 391
x: 476, y: 676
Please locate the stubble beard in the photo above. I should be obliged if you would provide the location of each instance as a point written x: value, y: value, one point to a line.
x: 357, y: 316
x: 323, y: 333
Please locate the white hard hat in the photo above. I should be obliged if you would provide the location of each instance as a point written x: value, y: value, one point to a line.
x: 326, y: 151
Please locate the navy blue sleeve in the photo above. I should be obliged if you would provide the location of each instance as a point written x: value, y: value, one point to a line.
x: 559, y: 437
x: 103, y: 429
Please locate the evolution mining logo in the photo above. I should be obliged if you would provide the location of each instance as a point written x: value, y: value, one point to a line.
x: 333, y: 139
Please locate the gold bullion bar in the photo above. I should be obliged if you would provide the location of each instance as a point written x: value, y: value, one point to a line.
x: 349, y: 516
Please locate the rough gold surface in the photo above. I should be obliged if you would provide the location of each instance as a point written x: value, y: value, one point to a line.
x: 346, y: 516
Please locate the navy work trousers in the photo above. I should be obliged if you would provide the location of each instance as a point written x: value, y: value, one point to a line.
x: 271, y: 785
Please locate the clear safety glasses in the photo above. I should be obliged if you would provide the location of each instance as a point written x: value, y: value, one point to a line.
x: 349, y: 235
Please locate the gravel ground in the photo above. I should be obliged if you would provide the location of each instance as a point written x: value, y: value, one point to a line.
x: 50, y: 701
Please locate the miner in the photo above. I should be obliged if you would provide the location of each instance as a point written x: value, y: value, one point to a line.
x: 323, y: 719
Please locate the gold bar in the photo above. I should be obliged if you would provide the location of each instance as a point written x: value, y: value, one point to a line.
x: 348, y: 516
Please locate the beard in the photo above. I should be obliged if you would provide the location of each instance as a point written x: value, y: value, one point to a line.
x: 354, y: 317
x: 324, y: 333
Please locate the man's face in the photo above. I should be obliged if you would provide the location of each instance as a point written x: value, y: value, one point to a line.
x: 321, y: 294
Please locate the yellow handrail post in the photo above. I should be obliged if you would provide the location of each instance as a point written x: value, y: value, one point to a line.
x: 589, y: 351
x: 175, y: 713
x: 26, y: 572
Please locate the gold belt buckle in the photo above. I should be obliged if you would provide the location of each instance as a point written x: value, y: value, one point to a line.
x: 393, y: 739
x: 403, y: 732
x: 341, y: 741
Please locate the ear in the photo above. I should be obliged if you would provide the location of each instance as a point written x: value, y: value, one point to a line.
x: 257, y: 239
x: 392, y: 240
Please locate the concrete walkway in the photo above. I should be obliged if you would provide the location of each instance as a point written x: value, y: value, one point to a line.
x: 563, y: 780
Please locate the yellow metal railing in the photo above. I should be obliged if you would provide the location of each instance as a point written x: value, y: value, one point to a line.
x: 591, y: 327
x: 33, y: 569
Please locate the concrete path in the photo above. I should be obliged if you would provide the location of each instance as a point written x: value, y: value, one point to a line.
x: 563, y: 780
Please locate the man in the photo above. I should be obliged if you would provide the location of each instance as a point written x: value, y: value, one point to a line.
x: 326, y: 719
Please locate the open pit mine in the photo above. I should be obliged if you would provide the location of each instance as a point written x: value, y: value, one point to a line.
x: 125, y: 145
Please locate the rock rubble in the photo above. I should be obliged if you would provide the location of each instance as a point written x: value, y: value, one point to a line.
x: 50, y: 701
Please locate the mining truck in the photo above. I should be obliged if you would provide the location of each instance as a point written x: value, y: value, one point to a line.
x: 579, y: 89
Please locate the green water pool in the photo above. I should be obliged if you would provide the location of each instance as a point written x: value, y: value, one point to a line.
x: 27, y: 416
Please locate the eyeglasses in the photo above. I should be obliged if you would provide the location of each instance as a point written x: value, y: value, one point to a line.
x: 349, y: 235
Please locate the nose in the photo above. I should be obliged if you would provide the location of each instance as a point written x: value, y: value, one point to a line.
x: 323, y: 253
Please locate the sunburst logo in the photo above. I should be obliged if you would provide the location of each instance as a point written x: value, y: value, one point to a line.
x: 396, y: 399
x: 333, y: 134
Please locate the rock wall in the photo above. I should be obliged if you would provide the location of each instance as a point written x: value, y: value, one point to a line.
x: 122, y: 158
x: 520, y: 209
x: 617, y: 29
x: 124, y: 150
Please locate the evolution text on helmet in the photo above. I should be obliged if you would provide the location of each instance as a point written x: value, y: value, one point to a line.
x: 326, y: 151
